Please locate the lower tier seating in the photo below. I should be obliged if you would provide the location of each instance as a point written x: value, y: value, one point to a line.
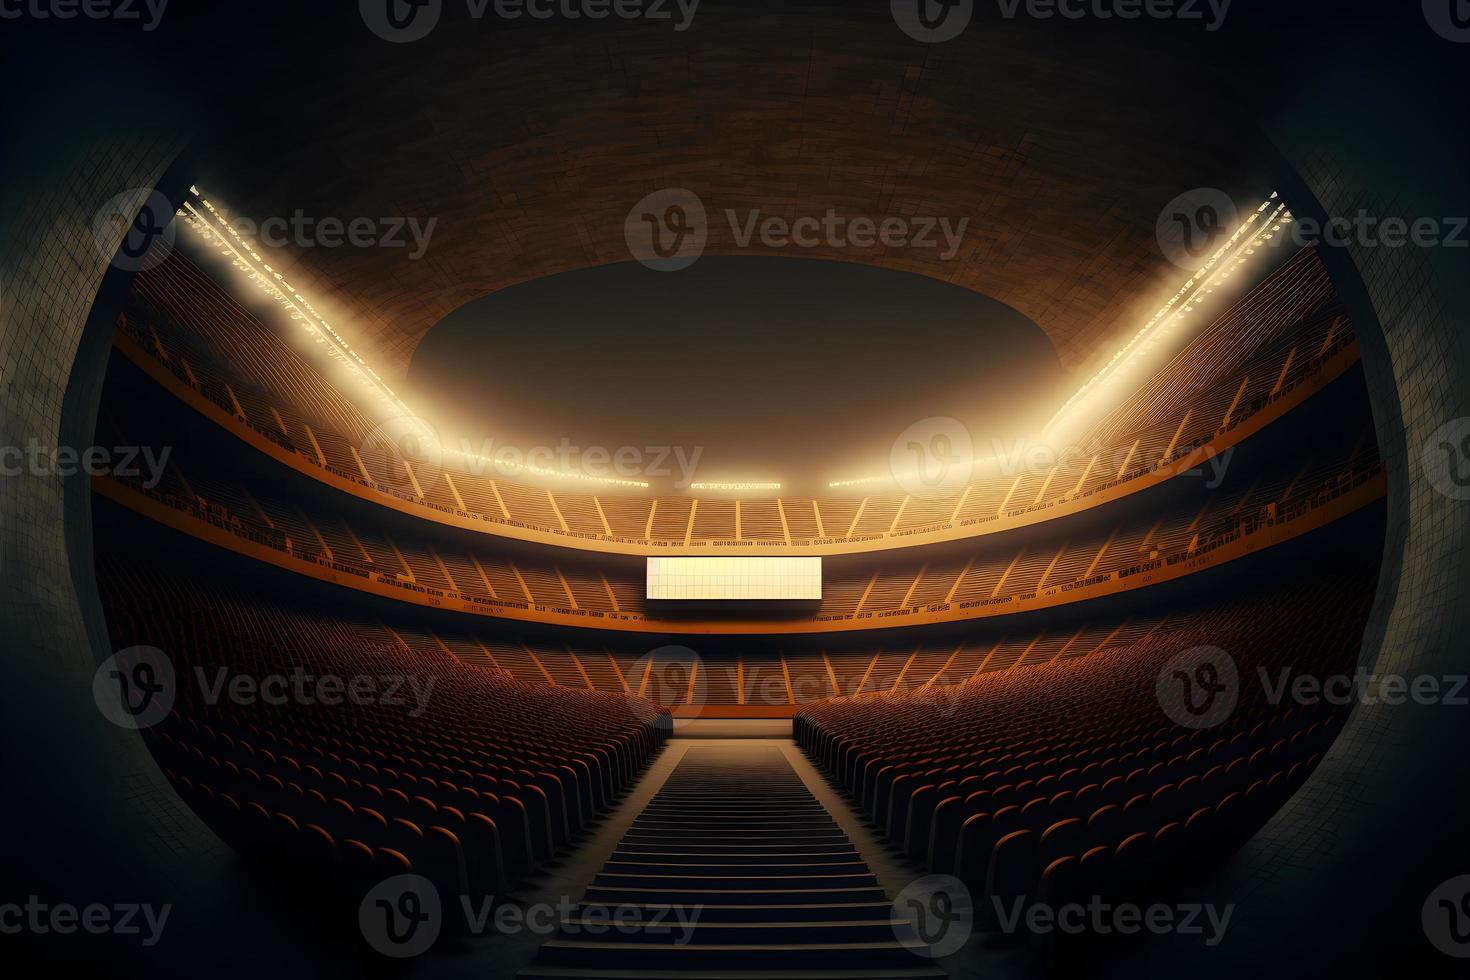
x: 459, y: 773
x: 1091, y: 776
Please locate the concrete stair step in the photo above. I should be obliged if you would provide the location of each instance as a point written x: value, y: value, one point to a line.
x: 734, y: 822
x: 744, y: 881
x: 727, y: 956
x: 768, y: 834
x: 613, y: 895
x: 737, y: 811
x: 734, y: 847
x: 792, y: 865
x: 577, y: 973
x: 761, y: 912
x: 693, y: 928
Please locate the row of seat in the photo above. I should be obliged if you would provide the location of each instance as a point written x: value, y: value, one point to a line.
x: 694, y: 672
x: 886, y: 587
x: 1084, y: 776
x: 460, y: 773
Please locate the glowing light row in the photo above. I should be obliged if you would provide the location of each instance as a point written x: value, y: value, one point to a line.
x: 860, y: 481
x: 273, y: 282
x: 1257, y: 228
x: 1222, y: 263
x: 228, y: 241
x: 734, y: 486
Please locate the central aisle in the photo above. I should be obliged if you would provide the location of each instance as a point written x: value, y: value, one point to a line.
x: 734, y: 868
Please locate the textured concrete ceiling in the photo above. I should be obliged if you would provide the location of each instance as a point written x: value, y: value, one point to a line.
x: 529, y: 143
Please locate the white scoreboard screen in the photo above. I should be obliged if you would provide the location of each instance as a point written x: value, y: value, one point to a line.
x: 720, y: 578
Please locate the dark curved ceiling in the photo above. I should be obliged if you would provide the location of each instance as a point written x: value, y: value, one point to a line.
x: 776, y: 369
x: 530, y: 141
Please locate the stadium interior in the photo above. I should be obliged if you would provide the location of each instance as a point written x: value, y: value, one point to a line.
x: 734, y: 490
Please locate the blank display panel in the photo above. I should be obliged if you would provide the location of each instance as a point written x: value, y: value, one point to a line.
x: 719, y: 578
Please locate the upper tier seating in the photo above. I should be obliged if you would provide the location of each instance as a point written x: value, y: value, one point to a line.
x: 1259, y: 353
x: 977, y: 579
x: 474, y: 786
